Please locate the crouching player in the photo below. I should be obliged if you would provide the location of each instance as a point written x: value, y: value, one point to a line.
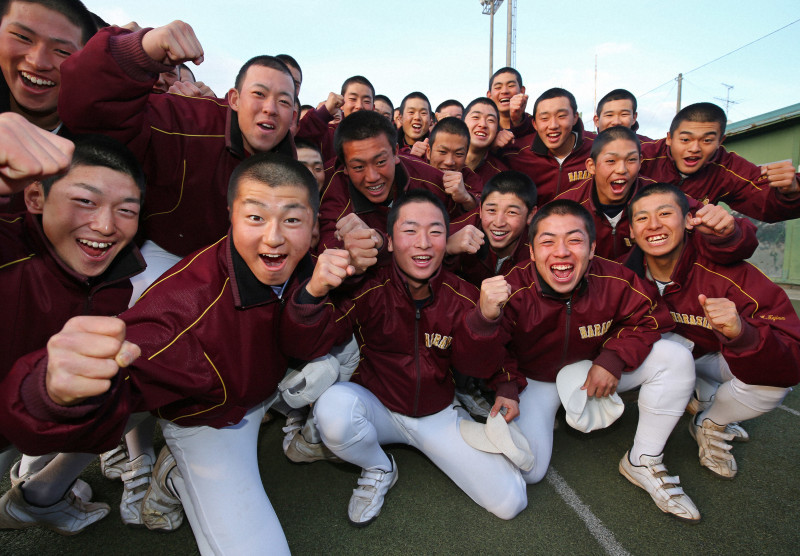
x: 210, y: 364
x: 404, y: 316
x: 566, y: 306
x: 737, y: 318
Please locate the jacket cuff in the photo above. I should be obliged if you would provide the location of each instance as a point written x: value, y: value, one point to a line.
x: 36, y: 400
x: 322, y: 114
x: 508, y: 390
x: 126, y: 48
x: 747, y: 339
x: 480, y: 325
x: 611, y: 362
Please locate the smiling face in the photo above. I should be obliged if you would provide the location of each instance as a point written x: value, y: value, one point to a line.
x: 561, y: 251
x: 357, y: 97
x: 416, y: 119
x: 88, y: 216
x: 693, y: 144
x: 615, y: 171
x: 384, y: 109
x: 553, y: 121
x: 271, y: 228
x: 370, y: 165
x: 504, y: 86
x: 264, y: 107
x: 482, y: 122
x: 418, y: 244
x: 449, y: 152
x: 34, y: 41
x: 615, y: 113
x: 504, y: 218
x: 657, y: 225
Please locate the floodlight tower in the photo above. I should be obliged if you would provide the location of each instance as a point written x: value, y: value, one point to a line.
x: 489, y: 8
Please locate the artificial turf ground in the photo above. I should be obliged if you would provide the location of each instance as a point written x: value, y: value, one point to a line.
x: 756, y: 513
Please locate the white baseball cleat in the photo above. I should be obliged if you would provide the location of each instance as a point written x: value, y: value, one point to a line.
x: 665, y: 490
x: 695, y: 406
x: 367, y: 500
x: 136, y: 482
x: 80, y: 488
x: 714, y: 452
x: 161, y: 508
x: 68, y: 516
x: 112, y: 463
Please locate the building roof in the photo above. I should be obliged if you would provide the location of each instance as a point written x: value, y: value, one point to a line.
x: 764, y: 120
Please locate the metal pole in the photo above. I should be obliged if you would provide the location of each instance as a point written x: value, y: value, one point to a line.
x: 680, y: 85
x: 509, y: 32
x: 491, y: 42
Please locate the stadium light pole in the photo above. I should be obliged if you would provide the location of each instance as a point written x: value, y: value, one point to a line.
x: 489, y: 8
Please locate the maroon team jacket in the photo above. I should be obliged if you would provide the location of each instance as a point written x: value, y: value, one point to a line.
x: 317, y: 127
x: 529, y: 155
x: 188, y: 146
x: 611, y: 318
x: 767, y: 351
x: 614, y: 242
x: 40, y: 293
x: 406, y: 351
x: 210, y: 352
x: 727, y: 178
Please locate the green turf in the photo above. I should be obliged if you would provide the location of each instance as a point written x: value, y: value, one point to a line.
x: 425, y: 513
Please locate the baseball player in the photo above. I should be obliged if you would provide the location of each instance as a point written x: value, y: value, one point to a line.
x: 555, y: 311
x: 404, y: 316
x: 746, y: 334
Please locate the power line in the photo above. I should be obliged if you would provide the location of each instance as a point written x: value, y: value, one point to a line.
x: 724, y: 55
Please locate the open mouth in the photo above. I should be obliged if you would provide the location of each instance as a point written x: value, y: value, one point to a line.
x: 480, y: 134
x: 95, y: 249
x: 421, y: 260
x: 375, y: 190
x: 657, y: 240
x: 273, y: 261
x: 36, y: 82
x: 266, y: 127
x: 498, y: 234
x: 554, y: 137
x: 691, y: 160
x: 562, y: 272
x: 618, y: 186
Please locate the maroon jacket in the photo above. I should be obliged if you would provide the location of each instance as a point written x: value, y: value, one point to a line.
x: 210, y: 352
x: 614, y: 242
x: 611, y: 318
x: 40, y: 293
x: 317, y: 127
x: 768, y: 349
x: 339, y: 198
x: 188, y: 146
x: 489, y: 167
x: 406, y: 351
x: 726, y: 177
x: 528, y: 154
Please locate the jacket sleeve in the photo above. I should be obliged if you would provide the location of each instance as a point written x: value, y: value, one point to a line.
x: 314, y: 126
x: 639, y: 322
x: 733, y: 249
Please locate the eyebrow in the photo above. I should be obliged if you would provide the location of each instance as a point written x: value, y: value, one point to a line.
x: 287, y: 207
x: 268, y: 88
x: 54, y: 39
x: 687, y: 132
x: 101, y: 193
x: 575, y: 231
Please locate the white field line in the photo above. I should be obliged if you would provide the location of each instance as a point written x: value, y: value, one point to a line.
x: 599, y: 531
x: 790, y: 410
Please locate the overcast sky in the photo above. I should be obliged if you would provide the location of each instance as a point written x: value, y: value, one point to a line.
x: 441, y: 47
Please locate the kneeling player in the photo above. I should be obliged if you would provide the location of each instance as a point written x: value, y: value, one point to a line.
x: 404, y: 316
x: 746, y: 334
x: 567, y: 306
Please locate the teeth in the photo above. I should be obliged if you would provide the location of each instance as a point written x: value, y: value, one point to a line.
x: 561, y: 266
x: 96, y: 244
x: 375, y: 187
x: 654, y: 239
x: 37, y: 80
x: 497, y: 233
x: 421, y: 257
x: 271, y: 256
x: 480, y: 134
x: 266, y: 126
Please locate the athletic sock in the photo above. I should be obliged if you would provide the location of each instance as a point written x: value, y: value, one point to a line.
x: 49, y: 485
x: 652, y: 433
x: 139, y: 440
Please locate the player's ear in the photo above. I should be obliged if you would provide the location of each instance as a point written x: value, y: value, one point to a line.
x: 530, y: 248
x: 591, y: 250
x: 35, y: 197
x: 590, y: 167
x: 233, y: 99
x: 390, y: 247
x: 531, y: 214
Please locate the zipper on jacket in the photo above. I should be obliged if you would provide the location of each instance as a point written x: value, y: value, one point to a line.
x: 416, y: 361
x: 566, y: 333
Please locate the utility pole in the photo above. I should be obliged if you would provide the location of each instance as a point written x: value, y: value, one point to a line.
x: 680, y: 85
x: 489, y: 8
x: 511, y: 35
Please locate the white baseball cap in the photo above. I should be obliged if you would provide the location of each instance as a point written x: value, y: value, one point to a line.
x: 584, y: 413
x: 499, y: 437
x: 300, y: 388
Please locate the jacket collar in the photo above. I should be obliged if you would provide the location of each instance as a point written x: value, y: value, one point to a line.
x: 539, y: 147
x: 361, y: 204
x: 234, y: 141
x: 546, y: 291
x: 401, y: 280
x: 637, y: 262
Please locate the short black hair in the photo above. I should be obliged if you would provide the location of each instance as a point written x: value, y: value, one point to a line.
x: 449, y: 102
x: 563, y: 207
x: 657, y: 189
x: 415, y: 196
x: 184, y: 68
x: 451, y: 124
x: 415, y: 94
x: 359, y: 79
x: 482, y: 100
x: 514, y: 183
x: 506, y: 69
x: 556, y: 92
x: 105, y: 152
x: 613, y: 134
x: 383, y: 98
x: 263, y: 61
x: 291, y: 62
x: 306, y: 144
x: 275, y: 170
x: 616, y: 94
x: 362, y: 124
x: 705, y: 112
x: 74, y: 10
